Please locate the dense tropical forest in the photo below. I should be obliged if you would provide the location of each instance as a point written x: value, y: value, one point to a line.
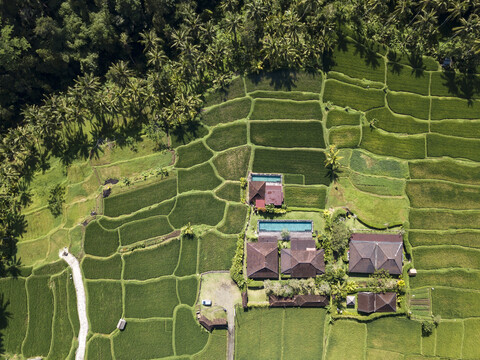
x: 74, y: 74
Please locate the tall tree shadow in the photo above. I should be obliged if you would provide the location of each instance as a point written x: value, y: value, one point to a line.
x: 279, y: 79
x: 5, y: 315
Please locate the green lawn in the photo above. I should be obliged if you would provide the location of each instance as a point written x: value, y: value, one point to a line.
x: 346, y: 340
x: 300, y: 134
x: 266, y: 109
x: 224, y: 137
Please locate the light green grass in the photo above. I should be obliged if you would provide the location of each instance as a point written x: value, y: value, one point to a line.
x: 99, y: 348
x: 455, y: 303
x: 444, y: 256
x: 346, y: 340
x: 33, y: 251
x: 370, y: 164
x: 392, y: 334
x: 235, y: 219
x: 216, y: 251
x: 144, y: 340
x: 382, y: 143
x: 440, y: 145
x: 405, y: 78
x: 266, y: 109
x: 187, y: 290
x: 192, y: 154
x: 284, y: 95
x: 468, y: 238
x: 229, y: 191
x: 40, y: 223
x: 344, y: 136
x: 449, y: 340
x: 100, y: 242
x: 151, y: 299
x: 152, y: 262
x: 216, y: 347
x: 388, y: 121
x: 52, y: 268
x: 470, y: 348
x: 353, y: 96
x: 454, y: 109
x: 459, y: 278
x: 378, y: 185
x: 188, y: 257
x: 227, y: 112
x: 306, y: 162
x: 445, y: 169
x: 285, y: 80
x: 102, y: 268
x: 104, y: 304
x: 460, y: 128
x: 409, y: 104
x: 190, y: 337
x: 139, y: 198
x: 233, y: 164
x: 287, y: 134
x: 342, y: 117
x: 224, y: 137
x: 201, y: 208
x: 201, y: 177
x: 444, y: 219
x: 439, y: 194
x: 305, y: 196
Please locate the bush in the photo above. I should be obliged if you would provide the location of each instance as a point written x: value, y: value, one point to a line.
x: 56, y: 199
x: 236, y: 270
x: 340, y: 236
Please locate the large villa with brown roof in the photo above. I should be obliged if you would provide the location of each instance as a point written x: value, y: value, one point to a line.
x: 370, y: 252
x: 265, y: 189
x: 369, y: 302
x: 262, y: 260
x: 302, y: 263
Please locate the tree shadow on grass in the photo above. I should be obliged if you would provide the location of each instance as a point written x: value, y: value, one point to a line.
x: 279, y: 79
x: 463, y: 85
x: 5, y: 315
x: 182, y: 135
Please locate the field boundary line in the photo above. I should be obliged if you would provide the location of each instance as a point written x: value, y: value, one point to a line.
x: 55, y: 306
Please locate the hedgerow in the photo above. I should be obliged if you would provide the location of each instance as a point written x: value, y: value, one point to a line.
x: 235, y: 219
x: 187, y: 290
x: 233, y: 164
x: 342, y: 117
x: 151, y: 299
x: 192, y: 154
x: 190, y: 337
x: 201, y: 177
x: 227, y: 112
x: 344, y: 136
x: 409, y: 104
x: 224, y: 137
x: 100, y: 242
x: 102, y: 268
x: 382, y: 143
x: 440, y: 145
x: 201, y: 208
x: 188, y: 257
x: 354, y: 96
x: 104, y: 304
x: 391, y: 122
x: 236, y: 270
x: 266, y: 109
x: 300, y: 134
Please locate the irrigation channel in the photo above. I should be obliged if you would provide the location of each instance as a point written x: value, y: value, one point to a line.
x: 81, y: 302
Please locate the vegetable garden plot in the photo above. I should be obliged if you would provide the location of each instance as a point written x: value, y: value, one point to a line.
x: 409, y: 104
x: 192, y: 154
x: 235, y: 219
x: 440, y: 194
x: 305, y: 196
x: 382, y: 143
x: 225, y: 137
x: 342, y: 117
x: 342, y: 94
x: 201, y: 177
x: 227, y: 112
x: 344, y: 136
x: 440, y: 145
x: 300, y: 134
x: 267, y: 109
x: 388, y: 121
x: 197, y: 208
x: 233, y: 163
x: 285, y: 80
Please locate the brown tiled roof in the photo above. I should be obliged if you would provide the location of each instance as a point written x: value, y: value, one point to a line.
x: 302, y: 263
x: 369, y: 252
x: 277, y: 301
x: 274, y: 236
x: 369, y: 302
x: 274, y: 194
x: 269, y: 236
x: 302, y: 244
x: 211, y: 324
x: 256, y: 190
x: 299, y: 300
x: 262, y: 260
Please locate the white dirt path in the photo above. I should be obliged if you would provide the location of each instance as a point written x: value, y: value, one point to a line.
x: 81, y: 302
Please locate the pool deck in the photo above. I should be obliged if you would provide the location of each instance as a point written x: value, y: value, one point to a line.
x: 274, y: 236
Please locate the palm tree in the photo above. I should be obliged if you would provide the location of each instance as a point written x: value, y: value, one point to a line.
x: 332, y: 162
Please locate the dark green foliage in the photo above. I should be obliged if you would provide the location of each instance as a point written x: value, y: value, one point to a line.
x: 427, y: 327
x: 445, y: 169
x: 51, y: 269
x: 353, y: 96
x: 196, y: 209
x: 102, y: 268
x: 455, y: 109
x: 190, y: 337
x: 187, y: 290
x: 455, y: 303
x: 296, y: 179
x: 455, y: 84
x: 439, y: 194
x: 344, y: 136
x: 144, y: 340
x: 137, y: 199
x: 306, y: 162
x: 444, y: 219
x: 468, y: 238
x: 440, y: 145
x: 56, y: 199
x: 342, y: 117
x: 40, y: 317
x: 224, y: 137
x: 235, y: 219
x: 152, y: 262
x: 100, y: 242
x: 231, y: 91
x: 340, y: 236
x: 188, y: 257
x: 378, y: 185
x: 229, y: 191
x: 228, y: 112
x: 409, y: 104
x: 287, y: 134
x: 192, y: 154
x: 461, y: 128
x: 236, y: 270
x: 404, y: 78
x: 200, y: 177
x: 446, y: 256
x: 15, y: 302
x: 286, y: 109
x: 305, y: 196
x: 144, y: 229
x: 371, y: 165
x: 162, y: 209
x: 99, y: 348
x: 184, y: 137
x: 390, y: 122
x: 216, y: 251
x: 285, y: 80
x: 233, y: 164
x: 151, y: 299
x: 62, y: 330
x: 458, y: 278
x: 358, y: 61
x: 284, y: 95
x: 104, y: 304
x: 382, y: 143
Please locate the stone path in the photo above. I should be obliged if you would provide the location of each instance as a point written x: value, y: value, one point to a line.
x: 81, y: 302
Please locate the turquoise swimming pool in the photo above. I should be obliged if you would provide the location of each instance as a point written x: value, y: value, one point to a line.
x: 290, y: 225
x: 269, y: 178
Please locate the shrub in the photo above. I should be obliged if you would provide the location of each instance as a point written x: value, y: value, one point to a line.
x: 427, y: 327
x: 236, y: 270
x: 56, y: 199
x: 340, y: 236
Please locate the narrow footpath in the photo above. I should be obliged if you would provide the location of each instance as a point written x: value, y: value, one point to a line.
x: 81, y: 302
